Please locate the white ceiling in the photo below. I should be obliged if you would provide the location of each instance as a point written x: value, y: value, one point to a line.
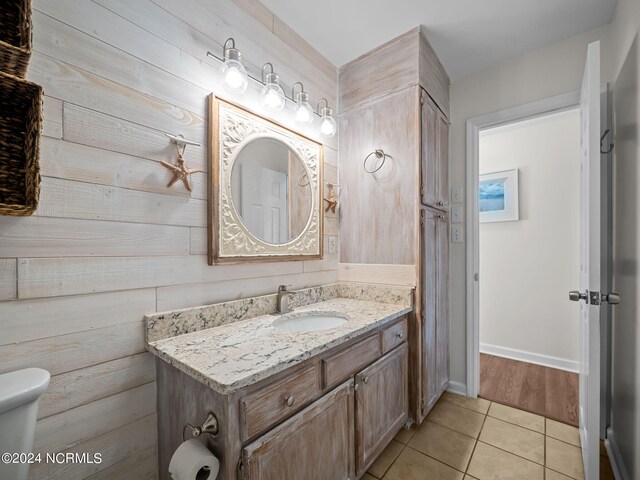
x: 468, y: 35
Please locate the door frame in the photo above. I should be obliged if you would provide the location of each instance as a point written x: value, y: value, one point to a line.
x: 538, y: 108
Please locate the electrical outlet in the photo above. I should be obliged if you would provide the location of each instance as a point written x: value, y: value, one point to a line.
x: 333, y: 245
x: 457, y: 233
x: 456, y: 213
x: 457, y: 194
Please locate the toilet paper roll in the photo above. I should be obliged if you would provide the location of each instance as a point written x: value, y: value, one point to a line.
x: 193, y: 461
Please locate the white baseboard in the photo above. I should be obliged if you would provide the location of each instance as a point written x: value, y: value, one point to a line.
x: 619, y: 470
x: 535, y: 358
x: 458, y: 388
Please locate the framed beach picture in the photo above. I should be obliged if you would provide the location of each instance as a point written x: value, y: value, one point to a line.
x: 498, y: 194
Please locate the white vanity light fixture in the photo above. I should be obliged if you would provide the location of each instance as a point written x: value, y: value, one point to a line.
x: 235, y: 77
x: 273, y: 97
x: 328, y: 126
x: 304, y: 111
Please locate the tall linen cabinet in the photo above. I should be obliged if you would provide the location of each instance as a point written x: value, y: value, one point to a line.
x: 394, y: 223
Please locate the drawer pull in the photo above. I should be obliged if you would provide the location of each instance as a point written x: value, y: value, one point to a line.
x: 400, y: 335
x: 289, y: 401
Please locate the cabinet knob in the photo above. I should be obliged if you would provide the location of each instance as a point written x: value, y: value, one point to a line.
x: 400, y: 334
x: 289, y: 401
x: 365, y: 380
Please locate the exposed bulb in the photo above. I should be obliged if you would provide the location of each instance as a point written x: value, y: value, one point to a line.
x: 235, y: 76
x: 273, y: 98
x: 328, y: 126
x: 304, y: 114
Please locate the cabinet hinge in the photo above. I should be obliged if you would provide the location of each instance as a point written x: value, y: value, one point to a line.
x: 422, y: 407
x: 240, y: 469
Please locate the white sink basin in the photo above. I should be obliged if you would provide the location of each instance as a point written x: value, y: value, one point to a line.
x: 309, y: 322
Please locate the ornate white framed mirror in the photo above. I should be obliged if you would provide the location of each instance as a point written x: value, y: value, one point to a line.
x: 264, y: 189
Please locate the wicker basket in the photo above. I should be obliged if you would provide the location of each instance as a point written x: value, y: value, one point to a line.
x: 20, y: 125
x: 15, y: 36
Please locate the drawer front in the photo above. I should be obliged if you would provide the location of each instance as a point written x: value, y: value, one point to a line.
x: 346, y: 363
x: 394, y: 336
x: 273, y: 403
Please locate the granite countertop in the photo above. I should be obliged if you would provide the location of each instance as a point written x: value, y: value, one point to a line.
x: 232, y: 356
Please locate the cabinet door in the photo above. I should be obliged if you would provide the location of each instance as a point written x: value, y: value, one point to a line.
x: 429, y: 289
x: 429, y: 149
x: 315, y: 444
x: 382, y: 404
x: 442, y: 303
x: 442, y: 182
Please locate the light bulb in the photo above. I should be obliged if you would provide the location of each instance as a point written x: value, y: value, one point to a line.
x: 273, y: 98
x: 304, y: 114
x: 234, y: 74
x: 328, y: 126
x: 234, y: 78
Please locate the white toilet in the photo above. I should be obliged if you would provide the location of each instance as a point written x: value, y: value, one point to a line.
x: 19, y: 394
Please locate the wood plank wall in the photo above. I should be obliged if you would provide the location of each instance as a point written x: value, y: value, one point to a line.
x: 109, y: 241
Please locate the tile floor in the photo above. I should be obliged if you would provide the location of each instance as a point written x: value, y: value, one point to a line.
x: 467, y: 439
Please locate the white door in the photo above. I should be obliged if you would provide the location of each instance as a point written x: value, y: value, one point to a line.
x: 264, y: 203
x: 590, y: 261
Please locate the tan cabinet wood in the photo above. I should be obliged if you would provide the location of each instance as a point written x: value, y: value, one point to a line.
x: 434, y: 190
x: 382, y: 403
x: 273, y: 403
x: 429, y: 151
x: 442, y: 302
x: 428, y: 275
x: 344, y: 364
x: 393, y: 336
x: 442, y: 183
x: 316, y: 443
x: 434, y: 273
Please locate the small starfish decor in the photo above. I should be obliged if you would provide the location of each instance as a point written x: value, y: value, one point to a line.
x: 332, y: 201
x: 181, y: 172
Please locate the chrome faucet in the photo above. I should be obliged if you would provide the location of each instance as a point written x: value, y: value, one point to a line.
x: 284, y: 295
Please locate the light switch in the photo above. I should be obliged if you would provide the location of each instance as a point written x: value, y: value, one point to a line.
x: 456, y: 214
x: 333, y: 245
x: 457, y: 233
x: 457, y: 194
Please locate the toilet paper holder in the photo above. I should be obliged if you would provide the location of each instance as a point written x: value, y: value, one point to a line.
x: 209, y: 426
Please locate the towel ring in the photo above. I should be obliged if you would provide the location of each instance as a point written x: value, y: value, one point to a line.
x: 301, y: 178
x: 379, y: 153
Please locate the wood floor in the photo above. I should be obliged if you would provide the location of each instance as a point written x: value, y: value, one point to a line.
x: 542, y: 390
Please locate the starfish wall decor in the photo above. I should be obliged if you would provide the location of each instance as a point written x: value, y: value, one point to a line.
x: 332, y: 201
x: 180, y: 171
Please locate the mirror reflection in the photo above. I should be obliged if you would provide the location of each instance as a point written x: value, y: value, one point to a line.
x: 271, y: 190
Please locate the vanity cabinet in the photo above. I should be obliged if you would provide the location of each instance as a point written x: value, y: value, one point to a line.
x: 434, y: 171
x: 327, y: 418
x: 382, y: 403
x: 434, y: 276
x: 316, y: 443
